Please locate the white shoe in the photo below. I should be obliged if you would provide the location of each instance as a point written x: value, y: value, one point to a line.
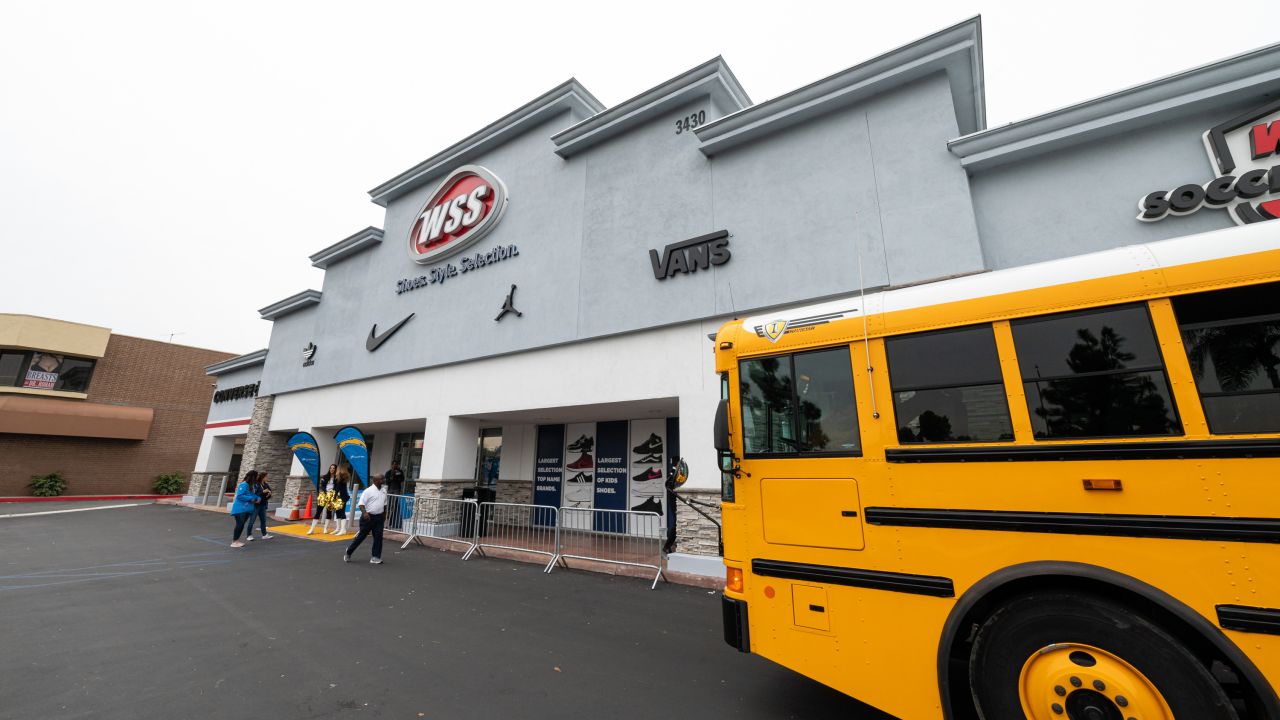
x: 268, y: 536
x: 375, y: 561
x: 249, y: 538
x: 237, y: 544
x: 346, y: 557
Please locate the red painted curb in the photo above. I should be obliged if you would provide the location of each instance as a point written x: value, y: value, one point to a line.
x: 63, y: 498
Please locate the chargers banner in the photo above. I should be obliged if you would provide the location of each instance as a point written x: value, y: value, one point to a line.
x: 353, y: 447
x: 304, y: 448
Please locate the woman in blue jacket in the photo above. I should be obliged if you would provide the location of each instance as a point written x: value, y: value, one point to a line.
x: 245, y: 504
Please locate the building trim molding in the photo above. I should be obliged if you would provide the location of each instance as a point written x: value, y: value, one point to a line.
x: 1160, y: 100
x: 291, y: 304
x: 712, y: 78
x: 567, y: 96
x: 956, y: 51
x: 348, y: 246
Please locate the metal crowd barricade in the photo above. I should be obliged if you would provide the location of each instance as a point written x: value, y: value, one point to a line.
x: 443, y: 519
x: 398, y: 514
x: 517, y: 526
x: 618, y: 537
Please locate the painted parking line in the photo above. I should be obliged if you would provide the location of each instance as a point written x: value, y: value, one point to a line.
x: 59, y: 512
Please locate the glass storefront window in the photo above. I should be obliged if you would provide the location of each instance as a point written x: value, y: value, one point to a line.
x: 409, y: 453
x: 47, y: 371
x: 489, y: 458
x: 13, y: 366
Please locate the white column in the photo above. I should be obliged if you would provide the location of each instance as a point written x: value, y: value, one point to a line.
x: 518, y: 448
x: 697, y: 417
x: 215, y: 453
x: 383, y: 452
x: 449, y: 448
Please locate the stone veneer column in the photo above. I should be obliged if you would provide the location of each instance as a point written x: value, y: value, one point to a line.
x: 202, y: 484
x: 695, y: 534
x: 451, y: 489
x: 266, y: 451
x: 293, y: 487
x: 515, y: 491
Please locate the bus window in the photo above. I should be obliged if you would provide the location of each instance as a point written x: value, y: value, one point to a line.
x: 1096, y: 373
x: 828, y: 419
x: 947, y: 387
x: 799, y: 403
x: 1232, y: 338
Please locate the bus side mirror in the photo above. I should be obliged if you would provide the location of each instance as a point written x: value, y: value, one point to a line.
x: 722, y: 427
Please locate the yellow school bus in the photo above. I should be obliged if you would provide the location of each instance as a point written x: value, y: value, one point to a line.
x: 1043, y: 492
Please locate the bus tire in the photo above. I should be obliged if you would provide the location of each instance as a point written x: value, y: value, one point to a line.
x: 1080, y: 656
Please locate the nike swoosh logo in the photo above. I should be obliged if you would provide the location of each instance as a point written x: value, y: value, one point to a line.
x: 375, y: 340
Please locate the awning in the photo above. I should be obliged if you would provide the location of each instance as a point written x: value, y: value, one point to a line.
x: 69, y: 418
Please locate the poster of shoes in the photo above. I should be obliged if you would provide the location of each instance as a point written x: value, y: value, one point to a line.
x: 611, y: 475
x: 579, y: 473
x: 549, y: 470
x: 648, y: 473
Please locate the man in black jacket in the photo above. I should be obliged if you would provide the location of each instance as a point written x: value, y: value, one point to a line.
x: 395, y: 486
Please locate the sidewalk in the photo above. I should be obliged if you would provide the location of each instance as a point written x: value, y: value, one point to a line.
x: 398, y: 537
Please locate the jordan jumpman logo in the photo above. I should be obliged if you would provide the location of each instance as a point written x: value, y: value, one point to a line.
x: 509, y: 305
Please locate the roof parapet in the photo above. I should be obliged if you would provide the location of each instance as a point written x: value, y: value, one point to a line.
x: 347, y: 247
x: 1156, y: 101
x: 957, y: 51
x: 257, y: 357
x: 712, y: 78
x: 291, y: 304
x: 569, y: 95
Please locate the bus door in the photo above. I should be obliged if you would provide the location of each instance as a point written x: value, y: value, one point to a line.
x: 799, y: 417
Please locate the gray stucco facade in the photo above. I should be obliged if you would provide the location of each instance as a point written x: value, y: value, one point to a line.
x: 804, y: 204
x: 882, y: 175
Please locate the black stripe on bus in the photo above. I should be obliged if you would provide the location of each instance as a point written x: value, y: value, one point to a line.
x: 1159, y: 450
x: 1249, y: 619
x: 854, y: 577
x: 1178, y: 527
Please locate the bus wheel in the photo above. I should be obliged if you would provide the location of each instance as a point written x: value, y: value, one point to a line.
x: 1050, y: 657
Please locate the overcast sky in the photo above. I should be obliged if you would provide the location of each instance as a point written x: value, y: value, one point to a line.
x: 168, y: 167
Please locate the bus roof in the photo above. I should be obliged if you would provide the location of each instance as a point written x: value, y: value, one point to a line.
x: 1218, y: 244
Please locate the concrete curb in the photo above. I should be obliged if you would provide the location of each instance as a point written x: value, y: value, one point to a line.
x: 79, y: 498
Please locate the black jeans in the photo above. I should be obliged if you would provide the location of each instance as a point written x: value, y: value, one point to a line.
x: 240, y: 518
x: 259, y: 512
x: 369, y: 525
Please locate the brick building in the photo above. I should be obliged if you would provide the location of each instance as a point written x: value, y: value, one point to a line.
x: 110, y: 412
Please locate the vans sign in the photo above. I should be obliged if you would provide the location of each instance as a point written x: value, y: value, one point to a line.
x: 691, y: 255
x: 465, y: 206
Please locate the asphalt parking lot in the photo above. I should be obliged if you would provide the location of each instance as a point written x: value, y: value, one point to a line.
x: 144, y: 612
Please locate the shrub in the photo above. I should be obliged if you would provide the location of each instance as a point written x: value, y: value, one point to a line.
x: 170, y: 484
x: 51, y: 485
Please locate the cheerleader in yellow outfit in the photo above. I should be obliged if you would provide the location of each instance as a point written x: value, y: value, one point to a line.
x: 331, y: 502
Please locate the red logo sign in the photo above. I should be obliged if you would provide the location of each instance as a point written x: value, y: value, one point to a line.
x: 1244, y: 151
x: 465, y: 206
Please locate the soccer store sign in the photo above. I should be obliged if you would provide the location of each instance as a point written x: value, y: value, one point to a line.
x: 1245, y: 152
x: 616, y: 465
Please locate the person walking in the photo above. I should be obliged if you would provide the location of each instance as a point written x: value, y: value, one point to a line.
x: 263, y: 489
x: 245, y: 502
x: 373, y: 505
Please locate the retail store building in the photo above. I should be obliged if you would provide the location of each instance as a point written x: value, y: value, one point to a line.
x: 534, y: 313
x: 109, y: 412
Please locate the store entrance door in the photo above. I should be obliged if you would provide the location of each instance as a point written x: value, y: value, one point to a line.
x: 409, y: 453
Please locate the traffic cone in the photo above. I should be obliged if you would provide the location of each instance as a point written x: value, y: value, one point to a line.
x: 309, y: 513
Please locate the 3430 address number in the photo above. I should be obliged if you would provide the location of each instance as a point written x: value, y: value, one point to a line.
x: 691, y: 122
